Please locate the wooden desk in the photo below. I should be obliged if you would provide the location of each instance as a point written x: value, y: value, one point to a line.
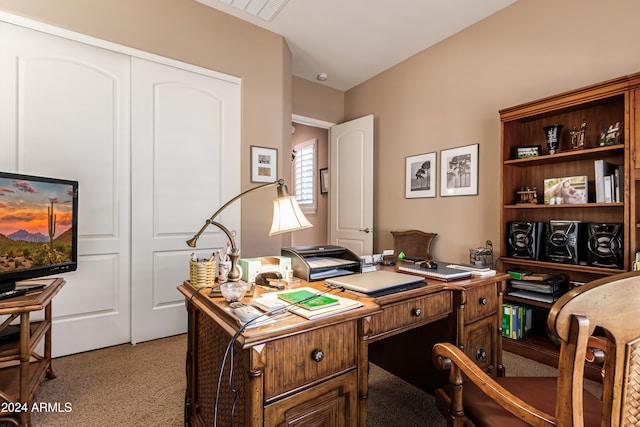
x: 22, y: 370
x: 277, y: 380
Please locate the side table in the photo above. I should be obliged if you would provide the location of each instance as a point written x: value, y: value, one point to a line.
x: 22, y: 369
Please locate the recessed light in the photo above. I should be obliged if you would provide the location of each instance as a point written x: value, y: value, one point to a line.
x: 323, y: 77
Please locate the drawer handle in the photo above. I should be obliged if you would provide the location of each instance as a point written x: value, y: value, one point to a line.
x: 481, y: 354
x: 416, y: 312
x: 483, y: 301
x: 317, y: 355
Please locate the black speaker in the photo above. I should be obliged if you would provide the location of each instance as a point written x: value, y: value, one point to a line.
x: 563, y: 241
x: 525, y: 240
x: 604, y: 245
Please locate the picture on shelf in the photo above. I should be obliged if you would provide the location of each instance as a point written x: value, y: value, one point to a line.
x: 567, y: 190
x: 526, y: 152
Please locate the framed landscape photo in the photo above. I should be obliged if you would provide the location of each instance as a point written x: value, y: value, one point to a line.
x: 264, y: 164
x: 459, y: 171
x: 420, y: 179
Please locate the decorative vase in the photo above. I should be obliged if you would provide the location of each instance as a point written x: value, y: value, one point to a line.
x: 553, y: 137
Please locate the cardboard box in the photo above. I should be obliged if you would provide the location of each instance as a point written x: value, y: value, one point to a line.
x: 251, y: 267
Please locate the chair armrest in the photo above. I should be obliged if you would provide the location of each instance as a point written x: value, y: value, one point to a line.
x: 447, y: 356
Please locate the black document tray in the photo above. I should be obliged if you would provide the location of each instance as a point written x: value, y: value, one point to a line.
x: 313, y: 263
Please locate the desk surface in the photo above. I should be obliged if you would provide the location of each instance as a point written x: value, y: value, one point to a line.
x: 289, y: 323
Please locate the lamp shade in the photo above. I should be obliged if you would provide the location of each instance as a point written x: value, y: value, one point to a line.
x: 287, y: 216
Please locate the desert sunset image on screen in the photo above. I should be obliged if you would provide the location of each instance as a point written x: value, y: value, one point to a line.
x: 36, y: 220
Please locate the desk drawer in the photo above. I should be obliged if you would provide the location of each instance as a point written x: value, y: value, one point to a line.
x: 419, y: 310
x: 482, y: 301
x: 291, y: 364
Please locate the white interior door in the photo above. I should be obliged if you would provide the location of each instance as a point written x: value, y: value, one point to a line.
x: 64, y: 112
x: 185, y: 163
x: 351, y: 185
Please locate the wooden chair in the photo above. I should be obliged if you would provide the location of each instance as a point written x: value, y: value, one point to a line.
x: 414, y: 243
x: 612, y: 304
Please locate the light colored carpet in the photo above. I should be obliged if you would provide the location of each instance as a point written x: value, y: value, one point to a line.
x: 144, y: 385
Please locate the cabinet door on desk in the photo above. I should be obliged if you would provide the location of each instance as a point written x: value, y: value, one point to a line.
x: 331, y: 403
x: 479, y: 342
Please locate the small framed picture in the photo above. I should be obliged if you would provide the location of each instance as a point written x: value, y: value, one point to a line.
x: 459, y: 171
x: 324, y: 180
x: 420, y: 176
x: 264, y: 164
x: 526, y: 152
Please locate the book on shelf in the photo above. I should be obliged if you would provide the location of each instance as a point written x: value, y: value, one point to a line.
x: 517, y: 273
x: 517, y: 321
x: 608, y: 179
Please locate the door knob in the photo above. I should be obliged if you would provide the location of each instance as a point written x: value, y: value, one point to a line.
x: 367, y: 230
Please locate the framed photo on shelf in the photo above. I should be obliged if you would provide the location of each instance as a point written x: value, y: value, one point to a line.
x: 526, y: 152
x: 264, y: 164
x: 459, y: 171
x: 567, y: 190
x: 324, y: 180
x: 420, y: 176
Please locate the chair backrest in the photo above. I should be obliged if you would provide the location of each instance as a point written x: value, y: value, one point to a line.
x: 414, y: 243
x: 611, y: 304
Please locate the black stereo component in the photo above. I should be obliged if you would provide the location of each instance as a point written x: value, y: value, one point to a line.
x: 525, y: 240
x: 604, y: 245
x: 563, y: 241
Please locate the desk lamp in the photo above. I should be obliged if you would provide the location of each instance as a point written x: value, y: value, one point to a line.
x: 287, y: 216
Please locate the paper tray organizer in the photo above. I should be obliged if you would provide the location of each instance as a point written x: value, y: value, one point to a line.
x: 312, y: 263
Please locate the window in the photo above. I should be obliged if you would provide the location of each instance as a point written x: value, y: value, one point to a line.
x: 305, y: 175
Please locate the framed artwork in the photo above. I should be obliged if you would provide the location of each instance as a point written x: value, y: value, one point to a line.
x: 264, y: 164
x: 324, y: 180
x: 459, y: 171
x: 420, y: 179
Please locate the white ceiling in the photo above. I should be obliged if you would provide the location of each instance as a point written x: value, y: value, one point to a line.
x: 353, y: 40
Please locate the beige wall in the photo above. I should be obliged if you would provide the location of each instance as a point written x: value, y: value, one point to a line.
x: 188, y: 31
x: 317, y: 101
x: 449, y: 96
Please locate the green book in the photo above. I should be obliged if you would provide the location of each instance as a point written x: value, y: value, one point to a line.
x: 506, y: 320
x: 307, y: 299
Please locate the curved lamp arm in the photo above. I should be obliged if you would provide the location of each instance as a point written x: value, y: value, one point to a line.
x: 192, y: 242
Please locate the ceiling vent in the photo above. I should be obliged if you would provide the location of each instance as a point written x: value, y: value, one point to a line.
x: 263, y: 9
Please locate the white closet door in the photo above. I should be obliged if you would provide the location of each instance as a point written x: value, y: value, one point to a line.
x: 185, y: 164
x: 64, y: 112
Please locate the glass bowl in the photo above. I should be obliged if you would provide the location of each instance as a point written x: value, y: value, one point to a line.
x: 232, y: 291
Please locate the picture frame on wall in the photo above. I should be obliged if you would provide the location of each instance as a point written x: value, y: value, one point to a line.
x: 264, y: 164
x: 324, y: 180
x: 420, y: 176
x: 459, y: 171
